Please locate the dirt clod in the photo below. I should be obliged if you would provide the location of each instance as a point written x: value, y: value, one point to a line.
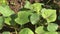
x: 16, y: 4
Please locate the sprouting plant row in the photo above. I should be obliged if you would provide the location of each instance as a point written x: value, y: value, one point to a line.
x: 34, y: 14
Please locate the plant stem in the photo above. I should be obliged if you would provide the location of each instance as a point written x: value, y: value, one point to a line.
x: 48, y: 1
x: 35, y: 26
x: 21, y: 27
x: 15, y: 31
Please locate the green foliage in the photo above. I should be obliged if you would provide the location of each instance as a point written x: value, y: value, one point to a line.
x: 34, y: 14
x: 52, y: 27
x: 7, y: 20
x: 40, y: 30
x: 22, y: 17
x: 49, y: 15
x: 51, y: 32
x: 6, y: 32
x: 27, y: 5
x: 37, y: 7
x: 6, y: 11
x: 26, y: 31
x: 34, y: 18
x: 1, y: 22
x: 3, y: 2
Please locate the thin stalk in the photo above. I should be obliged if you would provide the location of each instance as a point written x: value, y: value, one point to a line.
x: 15, y: 31
x: 35, y: 26
x: 21, y: 27
x: 48, y: 1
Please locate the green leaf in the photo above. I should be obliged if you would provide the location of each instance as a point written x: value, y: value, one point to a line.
x: 27, y: 5
x: 40, y: 30
x: 37, y: 7
x: 52, y: 27
x: 22, y: 17
x: 51, y: 32
x: 3, y: 2
x: 7, y: 20
x: 49, y: 14
x: 1, y: 22
x: 6, y: 11
x: 26, y: 31
x: 34, y: 18
x: 6, y: 32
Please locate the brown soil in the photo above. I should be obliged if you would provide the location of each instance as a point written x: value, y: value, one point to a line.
x: 16, y: 4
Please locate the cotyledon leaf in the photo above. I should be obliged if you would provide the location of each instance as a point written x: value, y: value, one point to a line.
x: 37, y: 7
x: 40, y: 30
x: 22, y: 17
x: 26, y: 31
x: 49, y: 14
x: 6, y: 11
x: 52, y: 27
x: 27, y: 5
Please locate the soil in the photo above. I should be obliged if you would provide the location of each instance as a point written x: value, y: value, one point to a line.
x: 16, y: 5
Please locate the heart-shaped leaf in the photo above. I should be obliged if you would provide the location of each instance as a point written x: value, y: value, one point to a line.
x: 52, y: 27
x: 6, y: 11
x: 6, y: 32
x: 39, y: 30
x: 26, y: 31
x: 22, y: 17
x: 34, y: 18
x: 27, y: 5
x: 49, y: 14
x: 37, y: 7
